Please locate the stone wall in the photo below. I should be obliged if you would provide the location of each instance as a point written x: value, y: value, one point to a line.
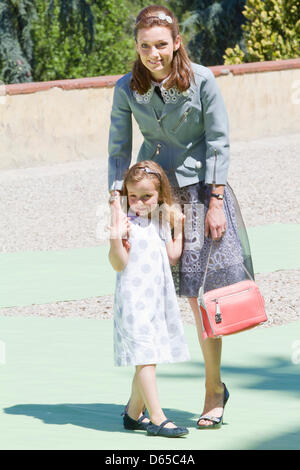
x: 68, y: 120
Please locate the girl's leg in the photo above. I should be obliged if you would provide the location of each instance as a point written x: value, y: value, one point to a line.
x: 146, y: 381
x: 211, y: 349
x: 136, y: 403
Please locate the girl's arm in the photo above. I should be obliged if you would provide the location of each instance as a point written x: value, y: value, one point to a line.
x: 118, y: 255
x: 120, y: 226
x: 175, y: 245
x: 174, y: 250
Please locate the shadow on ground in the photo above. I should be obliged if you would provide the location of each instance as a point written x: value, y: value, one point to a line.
x: 284, y: 441
x: 106, y: 417
x: 98, y: 416
x: 273, y: 373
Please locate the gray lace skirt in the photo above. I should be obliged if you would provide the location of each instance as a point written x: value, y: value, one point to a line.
x: 228, y: 256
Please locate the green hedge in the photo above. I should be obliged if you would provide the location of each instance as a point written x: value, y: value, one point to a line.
x: 271, y: 32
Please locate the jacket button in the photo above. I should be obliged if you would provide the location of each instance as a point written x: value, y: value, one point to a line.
x: 198, y: 165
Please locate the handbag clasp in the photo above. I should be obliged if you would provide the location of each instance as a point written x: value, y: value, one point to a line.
x: 218, y: 315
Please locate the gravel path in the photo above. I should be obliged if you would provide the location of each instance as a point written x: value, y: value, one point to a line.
x: 63, y: 206
x: 282, y: 304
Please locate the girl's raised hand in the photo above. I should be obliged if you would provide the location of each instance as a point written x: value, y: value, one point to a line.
x: 120, y: 223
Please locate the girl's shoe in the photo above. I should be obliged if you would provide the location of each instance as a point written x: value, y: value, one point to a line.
x: 134, y: 425
x: 154, y: 430
x: 218, y: 421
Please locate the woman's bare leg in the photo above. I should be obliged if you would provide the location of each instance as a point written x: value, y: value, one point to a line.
x: 211, y: 349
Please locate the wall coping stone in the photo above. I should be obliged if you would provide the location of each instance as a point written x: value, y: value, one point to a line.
x: 109, y: 81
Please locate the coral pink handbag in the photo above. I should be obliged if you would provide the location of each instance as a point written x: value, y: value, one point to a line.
x: 231, y: 309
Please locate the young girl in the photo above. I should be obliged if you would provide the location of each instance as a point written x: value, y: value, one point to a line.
x: 147, y: 323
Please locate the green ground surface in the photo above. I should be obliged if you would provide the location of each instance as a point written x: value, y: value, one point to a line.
x: 60, y: 390
x: 38, y: 277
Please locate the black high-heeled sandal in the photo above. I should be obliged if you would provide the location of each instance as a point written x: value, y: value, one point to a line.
x: 217, y: 421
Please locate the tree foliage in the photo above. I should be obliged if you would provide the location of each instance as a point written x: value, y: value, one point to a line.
x: 57, y: 39
x: 81, y: 43
x: 214, y: 25
x: 271, y: 32
x: 16, y: 45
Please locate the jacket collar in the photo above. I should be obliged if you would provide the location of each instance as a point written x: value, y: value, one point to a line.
x: 170, y: 96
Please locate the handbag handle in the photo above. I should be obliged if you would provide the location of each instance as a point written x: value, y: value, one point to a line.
x: 213, y: 187
x: 208, y: 258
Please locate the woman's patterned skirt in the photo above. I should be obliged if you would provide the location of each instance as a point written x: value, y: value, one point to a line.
x: 228, y: 257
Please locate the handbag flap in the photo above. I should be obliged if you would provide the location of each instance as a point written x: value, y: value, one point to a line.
x: 230, y: 290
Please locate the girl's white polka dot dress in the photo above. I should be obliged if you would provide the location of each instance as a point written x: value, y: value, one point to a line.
x: 147, y: 322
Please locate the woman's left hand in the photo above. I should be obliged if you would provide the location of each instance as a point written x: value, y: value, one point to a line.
x: 215, y: 222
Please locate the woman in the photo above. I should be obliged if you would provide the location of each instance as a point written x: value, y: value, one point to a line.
x: 182, y: 116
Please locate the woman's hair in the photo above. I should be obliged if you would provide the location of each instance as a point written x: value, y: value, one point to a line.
x: 181, y: 73
x: 152, y: 171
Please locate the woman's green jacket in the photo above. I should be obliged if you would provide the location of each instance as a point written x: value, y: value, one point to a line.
x: 187, y: 133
